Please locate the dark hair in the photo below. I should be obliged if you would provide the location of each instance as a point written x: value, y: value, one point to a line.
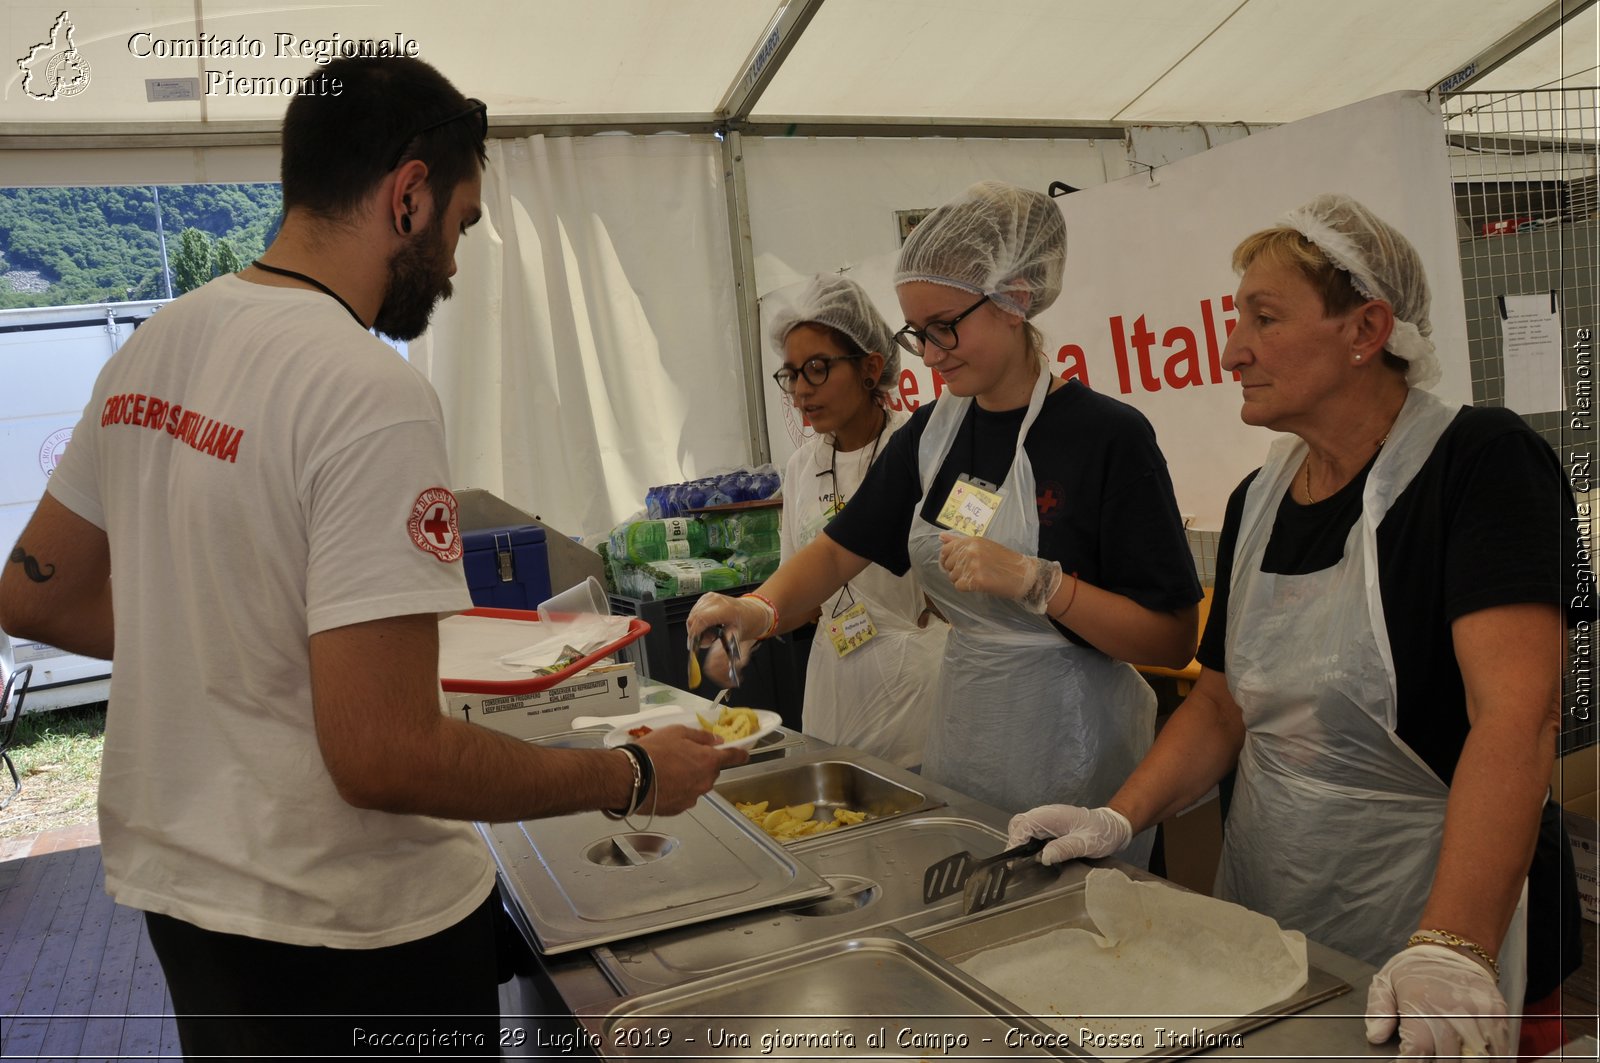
x: 336, y: 148
x: 856, y: 353
x: 839, y: 336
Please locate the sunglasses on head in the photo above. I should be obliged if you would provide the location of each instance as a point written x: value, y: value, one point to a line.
x: 474, y: 107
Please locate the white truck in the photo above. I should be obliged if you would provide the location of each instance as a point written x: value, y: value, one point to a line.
x: 49, y: 359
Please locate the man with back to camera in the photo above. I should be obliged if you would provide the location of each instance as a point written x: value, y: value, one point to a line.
x: 266, y: 480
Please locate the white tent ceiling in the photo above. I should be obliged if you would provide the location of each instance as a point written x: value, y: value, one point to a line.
x: 1057, y: 62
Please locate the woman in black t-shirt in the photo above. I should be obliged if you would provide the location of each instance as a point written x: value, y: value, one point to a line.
x: 1339, y: 826
x: 1050, y: 582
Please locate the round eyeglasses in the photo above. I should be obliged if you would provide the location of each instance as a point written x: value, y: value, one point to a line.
x: 942, y: 334
x: 815, y: 370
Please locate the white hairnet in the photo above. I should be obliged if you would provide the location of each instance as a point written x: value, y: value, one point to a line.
x: 830, y: 299
x: 994, y: 239
x: 1382, y: 265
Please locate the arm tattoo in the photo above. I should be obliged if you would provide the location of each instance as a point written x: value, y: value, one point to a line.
x: 30, y: 565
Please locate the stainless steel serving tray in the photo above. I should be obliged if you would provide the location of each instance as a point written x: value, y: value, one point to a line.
x: 1015, y: 923
x: 827, y: 784
x: 584, y: 880
x: 826, y: 1000
x: 876, y: 873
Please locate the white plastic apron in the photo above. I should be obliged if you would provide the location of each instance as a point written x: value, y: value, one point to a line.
x: 1024, y: 716
x: 1335, y: 824
x: 878, y: 698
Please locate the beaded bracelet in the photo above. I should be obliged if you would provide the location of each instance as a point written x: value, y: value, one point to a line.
x: 638, y: 778
x: 773, y: 630
x: 1444, y: 937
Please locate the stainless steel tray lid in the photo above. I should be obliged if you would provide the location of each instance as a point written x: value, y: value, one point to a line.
x: 876, y: 869
x: 585, y: 880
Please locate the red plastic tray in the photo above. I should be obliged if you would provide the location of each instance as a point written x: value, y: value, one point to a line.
x: 637, y: 629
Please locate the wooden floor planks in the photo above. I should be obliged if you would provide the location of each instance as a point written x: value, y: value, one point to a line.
x: 78, y: 978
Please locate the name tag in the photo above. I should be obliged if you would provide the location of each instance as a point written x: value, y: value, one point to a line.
x: 851, y: 630
x: 970, y: 507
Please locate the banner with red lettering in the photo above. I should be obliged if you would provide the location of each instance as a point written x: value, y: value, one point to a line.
x: 1147, y: 304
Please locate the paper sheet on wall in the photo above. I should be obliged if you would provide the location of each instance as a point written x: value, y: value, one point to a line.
x: 1530, y: 331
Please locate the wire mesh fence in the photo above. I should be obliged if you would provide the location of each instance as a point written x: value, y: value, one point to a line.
x: 1523, y: 172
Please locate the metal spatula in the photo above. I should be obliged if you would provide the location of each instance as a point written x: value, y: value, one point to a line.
x: 983, y: 881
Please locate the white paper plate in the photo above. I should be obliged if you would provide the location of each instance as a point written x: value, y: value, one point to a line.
x: 767, y: 721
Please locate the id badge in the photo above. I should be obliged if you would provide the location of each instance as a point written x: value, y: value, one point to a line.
x: 851, y: 630
x: 971, y: 506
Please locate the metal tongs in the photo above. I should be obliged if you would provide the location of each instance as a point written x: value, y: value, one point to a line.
x: 983, y: 882
x: 730, y: 646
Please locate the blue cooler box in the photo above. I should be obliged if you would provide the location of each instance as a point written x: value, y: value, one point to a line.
x: 507, y: 567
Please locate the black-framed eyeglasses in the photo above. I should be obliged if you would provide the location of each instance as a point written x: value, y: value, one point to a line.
x: 474, y: 107
x: 942, y: 334
x: 815, y: 370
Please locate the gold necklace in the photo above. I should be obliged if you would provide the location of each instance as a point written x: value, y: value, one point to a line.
x: 1310, y: 500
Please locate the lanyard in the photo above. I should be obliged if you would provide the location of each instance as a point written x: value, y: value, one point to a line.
x: 258, y: 264
x: 832, y: 472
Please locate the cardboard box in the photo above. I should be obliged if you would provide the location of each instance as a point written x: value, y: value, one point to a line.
x: 604, y: 690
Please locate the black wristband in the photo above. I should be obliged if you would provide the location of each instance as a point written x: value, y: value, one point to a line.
x: 647, y: 770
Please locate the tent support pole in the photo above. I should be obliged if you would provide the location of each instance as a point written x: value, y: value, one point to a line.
x: 744, y: 293
x: 1558, y: 14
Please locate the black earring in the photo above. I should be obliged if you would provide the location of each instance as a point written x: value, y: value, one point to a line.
x: 405, y: 223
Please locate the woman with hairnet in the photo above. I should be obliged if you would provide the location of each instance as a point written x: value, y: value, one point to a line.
x: 1038, y: 514
x: 875, y: 659
x: 1383, y: 656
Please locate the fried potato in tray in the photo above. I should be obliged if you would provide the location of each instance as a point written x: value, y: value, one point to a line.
x: 795, y: 821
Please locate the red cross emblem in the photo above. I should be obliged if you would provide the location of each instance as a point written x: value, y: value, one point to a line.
x: 433, y: 526
x: 1049, y: 499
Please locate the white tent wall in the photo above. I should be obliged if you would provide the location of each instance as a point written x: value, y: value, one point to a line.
x: 591, y: 349
x: 818, y: 204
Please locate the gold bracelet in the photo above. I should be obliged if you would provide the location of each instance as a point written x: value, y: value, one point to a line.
x: 1444, y: 937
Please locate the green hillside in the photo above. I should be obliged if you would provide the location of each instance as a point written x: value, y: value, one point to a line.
x: 62, y: 246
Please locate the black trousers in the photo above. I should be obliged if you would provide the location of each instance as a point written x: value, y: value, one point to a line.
x: 238, y: 996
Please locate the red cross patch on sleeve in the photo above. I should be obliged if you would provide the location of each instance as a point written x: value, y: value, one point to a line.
x: 433, y: 526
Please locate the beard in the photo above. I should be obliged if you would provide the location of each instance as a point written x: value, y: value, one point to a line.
x: 419, y: 277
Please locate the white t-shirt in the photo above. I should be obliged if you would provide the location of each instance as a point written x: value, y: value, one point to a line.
x: 877, y: 698
x: 264, y: 469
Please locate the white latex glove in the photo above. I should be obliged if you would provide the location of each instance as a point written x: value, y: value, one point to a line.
x: 1445, y: 1003
x: 975, y: 564
x: 1078, y: 832
x: 750, y: 618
